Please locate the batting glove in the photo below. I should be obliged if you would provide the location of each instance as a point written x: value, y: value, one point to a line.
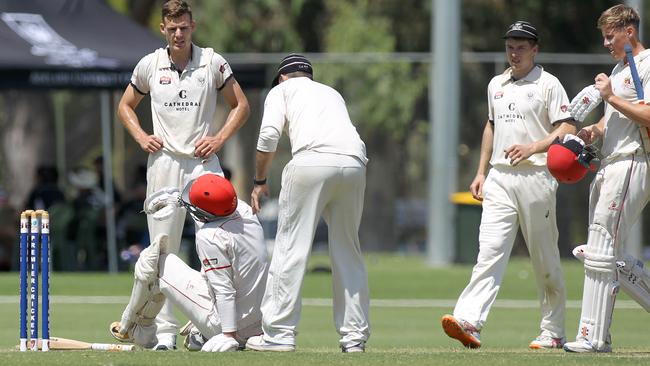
x: 220, y: 343
x: 585, y: 102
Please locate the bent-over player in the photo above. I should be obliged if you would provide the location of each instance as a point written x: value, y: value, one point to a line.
x: 326, y: 176
x: 222, y: 300
x: 527, y: 110
x: 621, y: 188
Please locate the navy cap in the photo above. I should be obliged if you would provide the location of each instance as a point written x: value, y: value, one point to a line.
x: 292, y: 63
x: 521, y: 29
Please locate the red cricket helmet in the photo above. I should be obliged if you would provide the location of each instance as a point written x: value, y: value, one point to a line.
x: 569, y: 161
x: 209, y: 197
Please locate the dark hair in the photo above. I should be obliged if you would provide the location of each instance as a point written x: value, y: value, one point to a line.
x: 531, y: 41
x: 297, y: 74
x: 175, y: 8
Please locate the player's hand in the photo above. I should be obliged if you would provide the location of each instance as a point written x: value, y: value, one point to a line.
x: 220, y: 343
x: 604, y: 86
x: 590, y: 134
x: 476, y: 188
x: 584, y: 102
x: 256, y: 196
x: 517, y: 153
x: 207, y: 146
x: 150, y: 143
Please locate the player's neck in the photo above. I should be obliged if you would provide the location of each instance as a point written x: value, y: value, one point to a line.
x: 180, y: 58
x: 521, y: 73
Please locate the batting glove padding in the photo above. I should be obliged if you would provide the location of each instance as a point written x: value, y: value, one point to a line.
x: 585, y: 102
x: 220, y: 343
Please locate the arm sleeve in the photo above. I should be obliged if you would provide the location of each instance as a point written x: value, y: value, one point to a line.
x: 220, y: 70
x: 143, y: 73
x: 557, y: 102
x: 272, y: 122
x: 217, y: 266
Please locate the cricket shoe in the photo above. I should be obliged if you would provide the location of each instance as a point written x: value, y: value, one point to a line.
x: 544, y: 341
x: 461, y: 330
x: 166, y: 342
x: 114, y: 329
x: 584, y: 346
x: 194, y: 340
x: 257, y: 343
x: 355, y: 348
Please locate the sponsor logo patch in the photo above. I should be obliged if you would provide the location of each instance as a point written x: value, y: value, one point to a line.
x: 165, y: 80
x: 564, y: 108
x: 498, y: 95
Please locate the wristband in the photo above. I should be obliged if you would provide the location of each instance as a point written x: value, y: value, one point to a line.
x: 260, y: 182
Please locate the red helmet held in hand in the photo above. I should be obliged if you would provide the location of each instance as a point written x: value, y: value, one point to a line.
x: 569, y: 161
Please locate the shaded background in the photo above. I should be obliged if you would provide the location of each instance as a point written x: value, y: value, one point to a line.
x: 376, y: 53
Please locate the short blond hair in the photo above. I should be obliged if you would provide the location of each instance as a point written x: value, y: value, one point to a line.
x: 618, y: 17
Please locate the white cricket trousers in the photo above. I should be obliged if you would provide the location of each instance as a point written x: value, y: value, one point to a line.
x: 517, y: 197
x: 164, y: 170
x: 315, y: 184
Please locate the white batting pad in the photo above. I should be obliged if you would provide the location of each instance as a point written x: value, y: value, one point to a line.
x: 188, y: 290
x: 632, y: 276
x: 635, y: 280
x: 162, y: 204
x: 583, y: 103
x: 146, y: 268
x: 600, y: 288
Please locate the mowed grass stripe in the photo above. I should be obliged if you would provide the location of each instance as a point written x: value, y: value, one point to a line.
x: 380, y: 303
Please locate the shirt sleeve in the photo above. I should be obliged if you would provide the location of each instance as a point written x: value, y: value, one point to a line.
x: 143, y: 73
x: 216, y: 256
x: 220, y: 70
x: 489, y: 102
x: 557, y: 102
x: 273, y: 121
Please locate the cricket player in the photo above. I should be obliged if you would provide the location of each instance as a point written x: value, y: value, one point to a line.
x: 183, y: 81
x: 326, y: 176
x: 621, y: 188
x: 527, y: 110
x: 222, y: 300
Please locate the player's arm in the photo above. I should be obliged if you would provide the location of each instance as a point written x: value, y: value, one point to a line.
x: 239, y: 112
x: 220, y: 278
x: 591, y: 133
x: 263, y: 161
x: 126, y: 112
x: 476, y: 188
x: 638, y: 113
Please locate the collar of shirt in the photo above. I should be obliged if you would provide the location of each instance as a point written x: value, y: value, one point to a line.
x: 532, y: 77
x: 196, y: 60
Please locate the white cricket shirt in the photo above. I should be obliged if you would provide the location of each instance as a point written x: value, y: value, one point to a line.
x: 523, y: 111
x: 234, y: 259
x: 183, y: 106
x: 621, y: 134
x: 315, y: 118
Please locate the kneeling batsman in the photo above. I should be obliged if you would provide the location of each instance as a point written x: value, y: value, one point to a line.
x: 223, y: 300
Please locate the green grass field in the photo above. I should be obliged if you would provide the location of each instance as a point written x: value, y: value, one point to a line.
x: 403, y: 332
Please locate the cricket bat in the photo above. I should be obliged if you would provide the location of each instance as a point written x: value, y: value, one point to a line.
x: 58, y: 343
x: 638, y: 86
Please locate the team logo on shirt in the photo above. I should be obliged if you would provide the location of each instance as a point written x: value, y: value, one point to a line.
x: 498, y: 95
x: 627, y: 82
x: 530, y: 95
x: 223, y: 67
x: 165, y: 80
x: 564, y: 108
